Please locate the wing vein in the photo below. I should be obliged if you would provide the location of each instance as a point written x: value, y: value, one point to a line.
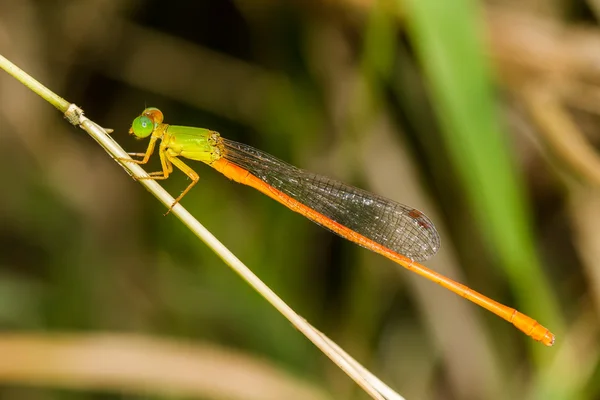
x: 401, y: 229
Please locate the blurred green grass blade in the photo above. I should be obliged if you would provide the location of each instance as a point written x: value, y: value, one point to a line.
x: 448, y: 39
x: 379, y: 43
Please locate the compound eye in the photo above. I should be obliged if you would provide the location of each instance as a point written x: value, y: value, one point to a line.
x: 142, y: 127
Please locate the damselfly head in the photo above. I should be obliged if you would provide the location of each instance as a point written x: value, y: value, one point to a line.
x: 144, y: 125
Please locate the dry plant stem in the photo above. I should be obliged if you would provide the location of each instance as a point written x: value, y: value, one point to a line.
x: 384, y: 389
x: 61, y: 104
x: 75, y: 115
x: 133, y: 364
x: 560, y: 133
x: 227, y: 256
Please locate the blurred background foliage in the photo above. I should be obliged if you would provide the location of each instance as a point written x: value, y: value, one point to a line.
x: 483, y: 115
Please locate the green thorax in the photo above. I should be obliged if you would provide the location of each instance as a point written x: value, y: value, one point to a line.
x: 194, y: 143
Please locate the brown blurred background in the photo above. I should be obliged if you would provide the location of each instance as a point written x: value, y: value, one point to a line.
x: 484, y: 115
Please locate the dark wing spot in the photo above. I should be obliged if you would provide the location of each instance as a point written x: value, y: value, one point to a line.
x: 418, y: 216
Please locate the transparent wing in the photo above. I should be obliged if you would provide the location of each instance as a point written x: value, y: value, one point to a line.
x: 401, y: 229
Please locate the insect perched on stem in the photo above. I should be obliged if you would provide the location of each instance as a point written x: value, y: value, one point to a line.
x: 400, y: 233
